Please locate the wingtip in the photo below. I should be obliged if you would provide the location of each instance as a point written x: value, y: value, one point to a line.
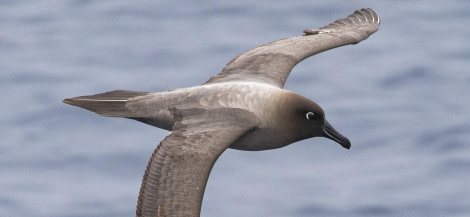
x: 363, y: 15
x: 369, y: 14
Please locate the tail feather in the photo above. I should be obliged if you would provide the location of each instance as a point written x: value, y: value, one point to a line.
x: 111, y: 104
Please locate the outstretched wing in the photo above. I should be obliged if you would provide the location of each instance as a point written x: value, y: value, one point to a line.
x: 177, y: 173
x: 271, y: 63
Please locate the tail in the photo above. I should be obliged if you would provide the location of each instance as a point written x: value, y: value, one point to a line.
x: 110, y: 104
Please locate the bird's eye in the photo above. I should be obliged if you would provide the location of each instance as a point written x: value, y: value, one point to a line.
x: 310, y: 115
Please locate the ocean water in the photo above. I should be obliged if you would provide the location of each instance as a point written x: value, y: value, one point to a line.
x: 401, y: 97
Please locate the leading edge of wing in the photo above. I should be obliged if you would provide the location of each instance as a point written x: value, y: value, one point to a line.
x: 271, y: 63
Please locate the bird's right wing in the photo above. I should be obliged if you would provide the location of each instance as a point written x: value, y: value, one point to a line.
x: 177, y: 173
x: 272, y: 63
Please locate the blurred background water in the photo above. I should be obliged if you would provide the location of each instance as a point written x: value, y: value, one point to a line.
x: 401, y: 96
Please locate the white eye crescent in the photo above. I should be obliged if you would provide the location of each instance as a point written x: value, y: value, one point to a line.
x: 310, y: 115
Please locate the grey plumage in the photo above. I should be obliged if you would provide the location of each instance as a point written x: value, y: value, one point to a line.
x: 271, y: 63
x: 243, y: 107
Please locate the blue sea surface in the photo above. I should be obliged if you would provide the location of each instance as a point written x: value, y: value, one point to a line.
x: 402, y: 97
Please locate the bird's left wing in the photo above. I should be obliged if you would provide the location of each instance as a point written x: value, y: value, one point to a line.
x: 177, y: 173
x: 271, y: 63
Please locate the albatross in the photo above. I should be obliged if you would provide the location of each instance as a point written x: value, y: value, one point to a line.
x: 243, y: 107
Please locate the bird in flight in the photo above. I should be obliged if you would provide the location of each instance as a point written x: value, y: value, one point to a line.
x: 243, y: 107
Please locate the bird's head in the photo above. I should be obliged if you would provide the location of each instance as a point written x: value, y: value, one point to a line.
x: 306, y: 119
